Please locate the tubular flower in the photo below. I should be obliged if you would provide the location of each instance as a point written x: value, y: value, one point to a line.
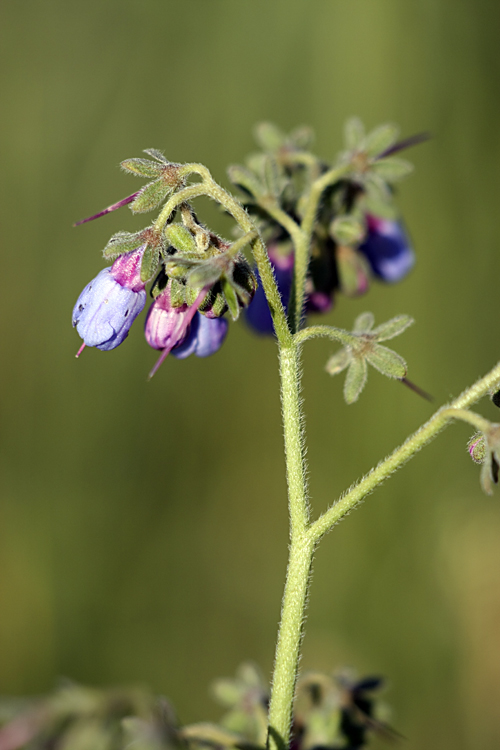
x: 204, y: 338
x: 387, y: 249
x: 109, y: 304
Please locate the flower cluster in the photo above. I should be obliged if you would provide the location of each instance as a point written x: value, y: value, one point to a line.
x: 356, y: 235
x: 197, y: 276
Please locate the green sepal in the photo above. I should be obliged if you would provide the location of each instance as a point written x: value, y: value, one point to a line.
x: 142, y: 167
x: 380, y: 139
x: 355, y: 379
x: 352, y: 268
x: 149, y: 263
x: 204, y: 274
x: 364, y: 323
x: 476, y: 447
x: 177, y: 293
x: 227, y: 692
x: 302, y: 137
x: 338, y: 361
x: 156, y: 155
x: 269, y: 137
x: 347, y: 230
x: 255, y: 162
x: 377, y: 190
x: 245, y: 179
x: 386, y: 361
x: 231, y: 298
x: 354, y: 133
x: 151, y: 196
x: 181, y: 238
x: 392, y: 169
x: 393, y: 327
x: 274, y: 180
x: 382, y: 208
x: 120, y: 243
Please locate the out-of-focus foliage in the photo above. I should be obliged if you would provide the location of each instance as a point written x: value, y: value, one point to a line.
x: 143, y: 525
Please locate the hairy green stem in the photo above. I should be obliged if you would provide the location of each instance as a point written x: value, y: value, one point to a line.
x: 300, y: 554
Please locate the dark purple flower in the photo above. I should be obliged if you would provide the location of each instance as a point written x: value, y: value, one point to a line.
x: 257, y: 313
x: 205, y: 337
x: 107, y: 307
x: 387, y: 249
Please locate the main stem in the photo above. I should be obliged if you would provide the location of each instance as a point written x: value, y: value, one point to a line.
x: 300, y: 555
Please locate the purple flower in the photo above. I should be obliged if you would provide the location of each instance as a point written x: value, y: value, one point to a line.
x: 205, y: 337
x: 387, y: 249
x: 257, y: 313
x: 167, y: 327
x: 107, y: 307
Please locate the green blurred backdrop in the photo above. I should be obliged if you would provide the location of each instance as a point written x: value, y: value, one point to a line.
x: 143, y: 525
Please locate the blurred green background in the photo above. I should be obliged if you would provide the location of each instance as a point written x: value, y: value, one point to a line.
x: 143, y: 530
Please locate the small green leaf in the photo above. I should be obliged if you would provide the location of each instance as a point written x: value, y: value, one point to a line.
x: 364, y: 323
x: 386, y: 361
x: 272, y: 176
x: 142, y: 167
x: 377, y: 190
x: 392, y: 328
x: 156, y: 155
x: 392, y: 169
x: 269, y: 137
x: 120, y: 243
x: 245, y: 179
x: 338, y: 361
x: 149, y: 263
x: 181, y: 238
x: 355, y: 379
x: 354, y: 132
x: 205, y: 274
x: 347, y: 230
x: 231, y: 299
x: 227, y: 692
x: 150, y: 196
x: 255, y: 162
x: 380, y: 139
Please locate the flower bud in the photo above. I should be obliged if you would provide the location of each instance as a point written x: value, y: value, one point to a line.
x: 387, y: 249
x: 166, y: 326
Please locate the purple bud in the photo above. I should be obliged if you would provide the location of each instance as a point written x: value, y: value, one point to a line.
x: 387, y: 249
x: 205, y: 337
x: 127, y: 269
x: 166, y: 326
x: 257, y: 314
x: 105, y: 311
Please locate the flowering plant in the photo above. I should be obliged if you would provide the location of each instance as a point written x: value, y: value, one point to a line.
x: 314, y: 230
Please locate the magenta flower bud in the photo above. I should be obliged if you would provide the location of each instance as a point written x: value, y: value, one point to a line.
x: 387, y: 249
x: 127, y: 269
x: 107, y: 307
x: 204, y: 338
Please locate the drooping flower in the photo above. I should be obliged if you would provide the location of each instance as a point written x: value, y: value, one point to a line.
x: 204, y: 338
x: 181, y: 329
x: 387, y: 249
x: 109, y: 304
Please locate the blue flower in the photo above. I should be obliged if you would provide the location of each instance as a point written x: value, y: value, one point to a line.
x: 387, y: 249
x: 105, y: 311
x: 205, y: 337
x: 107, y: 307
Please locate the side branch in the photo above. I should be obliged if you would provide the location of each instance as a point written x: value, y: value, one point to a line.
x: 401, y: 455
